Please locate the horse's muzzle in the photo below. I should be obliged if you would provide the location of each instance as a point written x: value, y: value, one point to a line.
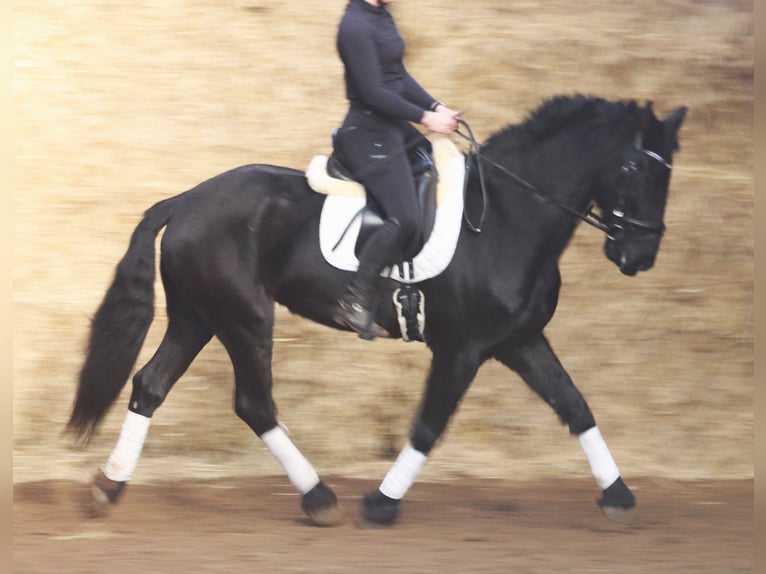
x: 632, y: 257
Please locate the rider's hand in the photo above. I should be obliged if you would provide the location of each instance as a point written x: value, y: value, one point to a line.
x: 442, y: 108
x: 441, y: 121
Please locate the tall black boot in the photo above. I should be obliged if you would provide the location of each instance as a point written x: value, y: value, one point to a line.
x: 381, y: 250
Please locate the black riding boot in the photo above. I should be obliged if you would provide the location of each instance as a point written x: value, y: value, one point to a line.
x: 381, y: 250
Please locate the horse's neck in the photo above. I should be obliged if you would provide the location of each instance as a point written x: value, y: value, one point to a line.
x: 559, y: 178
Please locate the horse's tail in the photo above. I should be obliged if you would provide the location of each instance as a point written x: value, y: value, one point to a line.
x: 120, y: 326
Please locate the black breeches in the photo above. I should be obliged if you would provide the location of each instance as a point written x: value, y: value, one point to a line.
x: 375, y: 150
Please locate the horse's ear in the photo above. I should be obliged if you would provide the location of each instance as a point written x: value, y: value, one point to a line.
x: 675, y: 119
x: 647, y: 115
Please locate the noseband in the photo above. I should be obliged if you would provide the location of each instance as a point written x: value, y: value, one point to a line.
x: 618, y: 222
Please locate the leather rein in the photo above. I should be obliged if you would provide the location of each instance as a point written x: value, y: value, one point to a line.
x: 618, y: 220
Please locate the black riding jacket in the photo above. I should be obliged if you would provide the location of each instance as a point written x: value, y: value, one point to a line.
x: 371, y: 49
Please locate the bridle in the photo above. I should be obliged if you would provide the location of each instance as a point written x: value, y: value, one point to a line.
x: 618, y: 221
x: 613, y: 225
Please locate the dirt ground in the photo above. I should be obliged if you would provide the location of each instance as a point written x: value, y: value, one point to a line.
x: 467, y: 526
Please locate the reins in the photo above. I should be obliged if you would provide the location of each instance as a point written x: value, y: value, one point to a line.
x: 475, y: 149
x: 588, y: 217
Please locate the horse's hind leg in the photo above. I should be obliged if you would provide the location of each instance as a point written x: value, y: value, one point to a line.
x: 246, y: 333
x: 540, y: 368
x: 183, y: 340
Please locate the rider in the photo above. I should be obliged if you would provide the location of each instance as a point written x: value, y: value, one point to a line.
x: 372, y: 140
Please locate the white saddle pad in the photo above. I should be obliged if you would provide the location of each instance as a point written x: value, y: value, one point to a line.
x: 339, y: 223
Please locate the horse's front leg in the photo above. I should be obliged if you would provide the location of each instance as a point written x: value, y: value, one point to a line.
x: 448, y: 379
x: 540, y: 368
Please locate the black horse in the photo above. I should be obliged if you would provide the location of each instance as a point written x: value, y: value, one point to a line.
x: 244, y: 239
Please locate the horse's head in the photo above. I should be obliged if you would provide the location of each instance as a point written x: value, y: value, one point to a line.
x: 634, y: 207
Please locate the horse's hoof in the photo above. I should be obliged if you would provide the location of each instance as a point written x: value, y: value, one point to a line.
x: 618, y: 503
x: 620, y: 514
x: 377, y: 508
x: 103, y: 494
x: 321, y: 505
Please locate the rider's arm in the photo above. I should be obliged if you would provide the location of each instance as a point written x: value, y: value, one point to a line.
x: 359, y: 54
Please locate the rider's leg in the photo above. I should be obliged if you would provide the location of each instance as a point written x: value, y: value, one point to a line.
x: 355, y: 306
x: 385, y: 171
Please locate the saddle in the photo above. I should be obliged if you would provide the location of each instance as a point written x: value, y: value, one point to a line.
x: 426, y: 178
x: 440, y: 201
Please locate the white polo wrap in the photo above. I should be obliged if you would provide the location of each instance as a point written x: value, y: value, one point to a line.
x: 601, y: 462
x: 401, y: 476
x: 299, y: 470
x: 124, y: 458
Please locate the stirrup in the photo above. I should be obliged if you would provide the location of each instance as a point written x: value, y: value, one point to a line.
x: 353, y: 315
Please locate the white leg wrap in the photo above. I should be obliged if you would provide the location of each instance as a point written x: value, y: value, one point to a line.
x: 401, y: 476
x: 124, y: 458
x: 601, y: 462
x: 299, y: 470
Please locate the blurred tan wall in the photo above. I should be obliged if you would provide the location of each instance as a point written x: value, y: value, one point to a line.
x: 120, y: 104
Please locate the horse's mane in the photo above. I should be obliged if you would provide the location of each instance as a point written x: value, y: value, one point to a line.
x: 562, y: 111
